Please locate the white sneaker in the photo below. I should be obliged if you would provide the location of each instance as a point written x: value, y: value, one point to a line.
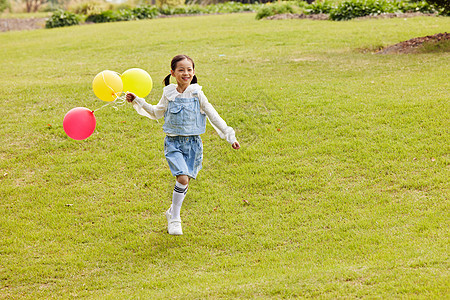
x: 173, y: 226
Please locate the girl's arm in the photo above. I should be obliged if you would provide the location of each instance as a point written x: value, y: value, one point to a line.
x: 150, y: 111
x: 226, y: 132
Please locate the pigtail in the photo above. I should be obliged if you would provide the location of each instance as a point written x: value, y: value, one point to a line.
x: 194, y: 79
x: 167, y: 80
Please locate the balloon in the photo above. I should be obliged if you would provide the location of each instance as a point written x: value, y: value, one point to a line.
x: 79, y: 123
x: 107, y: 85
x: 137, y: 81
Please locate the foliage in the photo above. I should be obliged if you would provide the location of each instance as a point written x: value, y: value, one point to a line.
x: 417, y: 6
x: 186, y: 9
x: 62, y: 18
x: 232, y: 7
x: 443, y: 5
x: 88, y: 8
x: 170, y: 3
x: 359, y: 8
x: 271, y: 9
x: 145, y: 12
x: 4, y: 4
x: 138, y: 13
x: 319, y: 7
x: 349, y: 9
x: 150, y: 12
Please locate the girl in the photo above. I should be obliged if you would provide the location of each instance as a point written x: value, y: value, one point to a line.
x: 184, y: 107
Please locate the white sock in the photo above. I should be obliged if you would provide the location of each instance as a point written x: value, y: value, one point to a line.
x: 179, y: 192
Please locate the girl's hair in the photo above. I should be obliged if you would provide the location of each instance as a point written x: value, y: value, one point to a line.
x: 173, y: 66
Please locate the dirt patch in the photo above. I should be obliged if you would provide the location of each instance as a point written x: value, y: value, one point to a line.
x: 412, y: 45
x: 21, y: 24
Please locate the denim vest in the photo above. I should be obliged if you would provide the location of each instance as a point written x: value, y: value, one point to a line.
x: 183, y: 117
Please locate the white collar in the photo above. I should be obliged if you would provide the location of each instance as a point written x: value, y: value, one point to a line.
x: 170, y: 91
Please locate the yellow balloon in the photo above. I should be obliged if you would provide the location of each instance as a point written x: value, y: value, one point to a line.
x: 137, y: 81
x: 107, y: 85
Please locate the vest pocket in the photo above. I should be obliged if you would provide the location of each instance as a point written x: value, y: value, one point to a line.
x: 175, y: 108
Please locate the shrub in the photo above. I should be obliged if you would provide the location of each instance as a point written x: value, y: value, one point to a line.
x: 4, y: 4
x: 228, y: 7
x: 170, y: 3
x: 324, y: 7
x: 442, y: 5
x: 420, y: 6
x: 138, y: 13
x: 145, y: 12
x: 62, y: 18
x: 273, y: 9
x: 104, y: 17
x: 359, y: 8
x: 88, y: 8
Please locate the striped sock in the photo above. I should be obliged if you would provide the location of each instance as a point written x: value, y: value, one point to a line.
x: 179, y: 192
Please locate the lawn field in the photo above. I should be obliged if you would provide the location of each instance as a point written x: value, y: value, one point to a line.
x: 340, y: 188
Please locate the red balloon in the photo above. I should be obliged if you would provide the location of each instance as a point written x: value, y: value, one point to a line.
x: 79, y: 123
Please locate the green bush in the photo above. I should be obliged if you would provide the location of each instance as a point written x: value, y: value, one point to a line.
x: 88, y: 8
x: 442, y: 5
x: 150, y: 12
x: 145, y: 12
x: 324, y: 7
x: 103, y: 17
x: 359, y: 8
x: 138, y: 13
x: 4, y: 4
x: 420, y: 6
x: 272, y: 9
x: 62, y: 18
x: 187, y: 9
x: 227, y: 7
x: 232, y: 7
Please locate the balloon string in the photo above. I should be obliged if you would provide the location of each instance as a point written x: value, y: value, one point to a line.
x: 120, y: 97
x: 120, y: 101
x: 100, y: 107
x: 114, y: 92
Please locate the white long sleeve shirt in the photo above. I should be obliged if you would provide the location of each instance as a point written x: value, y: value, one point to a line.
x: 170, y: 93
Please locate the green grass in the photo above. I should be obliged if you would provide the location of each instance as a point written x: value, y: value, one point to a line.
x: 340, y: 189
x: 435, y: 47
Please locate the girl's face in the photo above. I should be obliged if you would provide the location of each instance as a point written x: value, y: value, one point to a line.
x: 184, y: 72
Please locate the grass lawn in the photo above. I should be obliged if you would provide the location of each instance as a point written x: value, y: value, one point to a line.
x: 340, y: 189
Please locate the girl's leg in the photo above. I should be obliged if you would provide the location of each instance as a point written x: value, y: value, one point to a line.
x: 179, y: 192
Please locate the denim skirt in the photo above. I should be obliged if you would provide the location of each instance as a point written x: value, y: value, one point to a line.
x: 184, y: 154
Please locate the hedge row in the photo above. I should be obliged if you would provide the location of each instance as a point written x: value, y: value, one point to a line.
x: 64, y: 18
x: 345, y: 10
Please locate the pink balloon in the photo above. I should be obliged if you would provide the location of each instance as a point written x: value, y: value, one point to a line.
x: 79, y: 123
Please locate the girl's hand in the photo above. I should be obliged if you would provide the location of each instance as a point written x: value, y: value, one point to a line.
x: 130, y: 97
x: 236, y: 145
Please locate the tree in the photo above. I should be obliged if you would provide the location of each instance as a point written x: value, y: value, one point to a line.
x: 34, y: 5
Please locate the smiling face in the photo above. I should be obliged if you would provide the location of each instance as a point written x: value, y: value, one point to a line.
x: 183, y: 73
